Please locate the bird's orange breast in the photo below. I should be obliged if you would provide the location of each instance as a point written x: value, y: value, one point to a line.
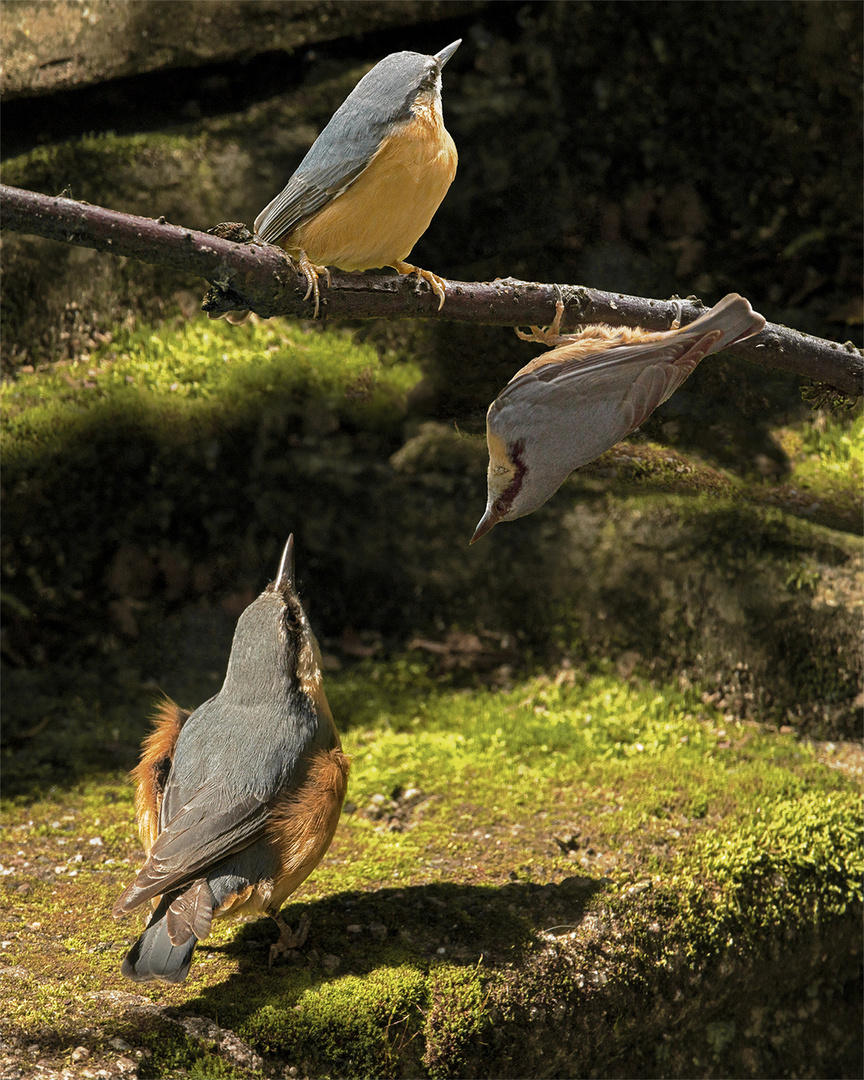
x: 381, y: 216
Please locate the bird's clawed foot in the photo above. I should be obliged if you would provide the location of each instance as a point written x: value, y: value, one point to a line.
x: 310, y: 271
x: 289, y: 940
x: 552, y: 335
x: 437, y: 284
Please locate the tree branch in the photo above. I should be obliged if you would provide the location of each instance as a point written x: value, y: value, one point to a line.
x: 262, y: 278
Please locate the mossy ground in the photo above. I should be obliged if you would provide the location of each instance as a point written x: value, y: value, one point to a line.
x: 484, y: 828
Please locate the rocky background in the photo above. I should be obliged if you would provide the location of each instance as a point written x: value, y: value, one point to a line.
x: 653, y: 149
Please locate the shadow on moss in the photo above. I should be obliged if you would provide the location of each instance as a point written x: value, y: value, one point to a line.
x: 396, y: 982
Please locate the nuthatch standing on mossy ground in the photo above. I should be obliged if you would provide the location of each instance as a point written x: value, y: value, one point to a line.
x: 237, y: 803
x: 574, y: 402
x: 373, y: 179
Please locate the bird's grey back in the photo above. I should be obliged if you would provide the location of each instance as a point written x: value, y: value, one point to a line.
x: 248, y: 738
x: 378, y: 103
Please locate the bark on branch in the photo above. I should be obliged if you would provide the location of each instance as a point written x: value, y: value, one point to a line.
x: 262, y: 279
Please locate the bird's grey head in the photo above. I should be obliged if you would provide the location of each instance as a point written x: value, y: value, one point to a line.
x: 405, y: 78
x: 273, y: 641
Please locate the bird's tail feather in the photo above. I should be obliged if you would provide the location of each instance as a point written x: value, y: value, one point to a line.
x: 153, y: 956
x: 733, y: 316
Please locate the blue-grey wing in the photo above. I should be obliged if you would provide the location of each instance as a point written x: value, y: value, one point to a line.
x: 303, y: 196
x: 219, y: 791
x: 619, y: 387
x: 575, y: 410
x: 207, y: 830
x: 618, y: 365
x: 338, y: 156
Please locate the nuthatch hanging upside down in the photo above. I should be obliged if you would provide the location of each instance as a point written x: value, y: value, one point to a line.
x: 373, y: 179
x: 574, y: 402
x: 237, y: 803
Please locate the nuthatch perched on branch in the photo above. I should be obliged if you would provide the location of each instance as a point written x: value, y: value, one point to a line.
x: 238, y: 801
x: 592, y: 388
x: 373, y: 179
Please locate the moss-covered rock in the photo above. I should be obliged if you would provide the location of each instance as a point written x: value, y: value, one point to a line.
x: 565, y: 877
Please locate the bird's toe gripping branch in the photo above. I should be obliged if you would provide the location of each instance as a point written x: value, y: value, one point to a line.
x: 552, y: 335
x: 311, y: 272
x: 437, y: 284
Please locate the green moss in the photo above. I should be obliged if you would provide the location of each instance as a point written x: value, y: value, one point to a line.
x: 458, y: 1014
x: 178, y: 373
x: 836, y: 445
x: 826, y: 454
x: 351, y: 1026
x: 171, y: 1053
x: 736, y: 881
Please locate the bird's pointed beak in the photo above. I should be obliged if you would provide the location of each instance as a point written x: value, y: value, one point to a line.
x: 489, y: 519
x: 285, y: 574
x: 445, y: 54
